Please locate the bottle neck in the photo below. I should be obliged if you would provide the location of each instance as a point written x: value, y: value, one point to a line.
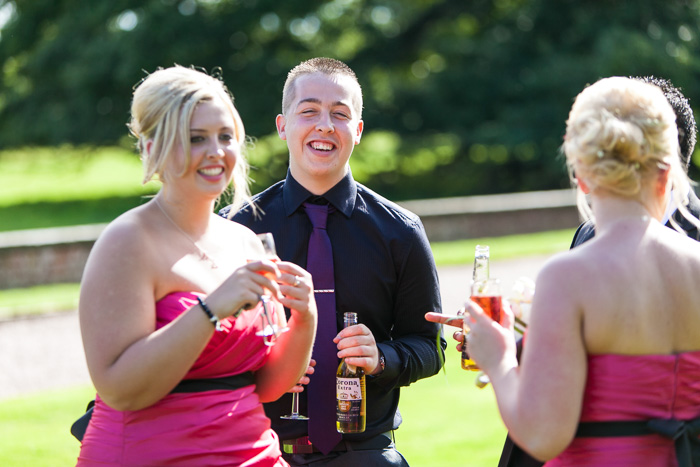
x: 481, y: 268
x: 350, y: 319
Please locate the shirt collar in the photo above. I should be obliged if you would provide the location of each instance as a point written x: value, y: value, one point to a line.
x: 342, y: 196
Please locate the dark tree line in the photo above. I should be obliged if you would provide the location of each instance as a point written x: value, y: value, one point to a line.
x: 460, y: 97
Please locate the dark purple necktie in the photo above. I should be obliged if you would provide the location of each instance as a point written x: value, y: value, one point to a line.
x: 321, y: 396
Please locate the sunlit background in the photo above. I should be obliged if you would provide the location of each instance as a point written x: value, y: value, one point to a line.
x: 461, y: 97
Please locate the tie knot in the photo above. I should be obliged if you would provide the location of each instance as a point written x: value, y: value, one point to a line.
x: 318, y: 214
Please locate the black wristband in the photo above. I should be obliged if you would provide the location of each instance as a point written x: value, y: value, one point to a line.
x: 212, y: 317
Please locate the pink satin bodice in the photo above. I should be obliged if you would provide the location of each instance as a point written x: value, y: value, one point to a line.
x: 213, y: 428
x: 635, y: 387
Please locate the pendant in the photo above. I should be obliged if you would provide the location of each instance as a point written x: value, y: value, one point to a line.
x: 204, y: 257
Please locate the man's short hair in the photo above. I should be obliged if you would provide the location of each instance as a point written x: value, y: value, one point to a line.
x: 685, y: 120
x: 327, y: 66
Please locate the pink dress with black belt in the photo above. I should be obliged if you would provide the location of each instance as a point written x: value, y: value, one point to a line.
x: 635, y: 387
x: 212, y: 428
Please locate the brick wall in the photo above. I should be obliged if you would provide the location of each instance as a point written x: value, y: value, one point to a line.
x: 45, y: 256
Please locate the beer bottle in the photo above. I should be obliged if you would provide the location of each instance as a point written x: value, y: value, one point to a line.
x: 350, y: 393
x: 480, y: 273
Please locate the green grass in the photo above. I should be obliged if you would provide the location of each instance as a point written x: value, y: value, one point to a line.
x: 35, y: 430
x: 38, y: 299
x: 511, y: 246
x: 447, y: 422
x: 51, y: 187
x: 67, y: 174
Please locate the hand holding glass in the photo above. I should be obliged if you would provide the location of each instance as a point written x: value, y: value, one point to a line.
x: 268, y: 243
x: 270, y: 329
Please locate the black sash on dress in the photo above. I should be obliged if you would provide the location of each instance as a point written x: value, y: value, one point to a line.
x: 186, y: 385
x: 683, y: 433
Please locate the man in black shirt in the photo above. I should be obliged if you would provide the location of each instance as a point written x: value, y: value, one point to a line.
x: 384, y: 268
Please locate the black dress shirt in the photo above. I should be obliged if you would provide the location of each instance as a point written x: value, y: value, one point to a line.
x: 384, y: 272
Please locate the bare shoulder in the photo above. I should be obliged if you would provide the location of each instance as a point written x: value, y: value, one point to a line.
x: 129, y: 250
x: 559, y: 286
x: 236, y: 234
x: 563, y: 269
x: 130, y: 232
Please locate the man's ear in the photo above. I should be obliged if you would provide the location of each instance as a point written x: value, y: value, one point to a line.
x: 281, y: 124
x: 360, y: 127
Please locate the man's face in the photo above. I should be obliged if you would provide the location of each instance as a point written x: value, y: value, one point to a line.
x: 321, y: 128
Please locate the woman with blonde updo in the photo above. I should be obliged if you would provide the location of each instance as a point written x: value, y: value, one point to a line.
x: 175, y: 336
x: 610, y: 373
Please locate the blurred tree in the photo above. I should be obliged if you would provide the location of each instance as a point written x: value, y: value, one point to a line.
x: 460, y: 97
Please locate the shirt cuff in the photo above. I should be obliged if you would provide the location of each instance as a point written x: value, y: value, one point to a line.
x: 392, y: 364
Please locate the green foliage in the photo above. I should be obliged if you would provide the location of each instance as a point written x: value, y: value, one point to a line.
x: 460, y: 97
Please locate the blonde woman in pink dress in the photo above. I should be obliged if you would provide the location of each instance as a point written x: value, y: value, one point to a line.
x: 170, y: 304
x: 610, y: 370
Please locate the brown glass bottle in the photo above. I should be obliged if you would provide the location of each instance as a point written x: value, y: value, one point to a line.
x: 350, y: 393
x: 480, y: 273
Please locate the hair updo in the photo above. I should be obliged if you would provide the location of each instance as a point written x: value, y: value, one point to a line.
x: 619, y: 132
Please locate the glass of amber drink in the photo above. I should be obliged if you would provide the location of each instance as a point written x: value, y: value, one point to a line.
x: 487, y: 294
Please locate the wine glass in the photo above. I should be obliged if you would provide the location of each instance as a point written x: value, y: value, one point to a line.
x: 270, y: 329
x: 520, y: 302
x: 295, y: 415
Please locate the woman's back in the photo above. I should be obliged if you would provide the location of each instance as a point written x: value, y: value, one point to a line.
x: 637, y: 284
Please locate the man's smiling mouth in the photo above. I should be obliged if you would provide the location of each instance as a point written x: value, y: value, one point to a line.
x: 321, y: 146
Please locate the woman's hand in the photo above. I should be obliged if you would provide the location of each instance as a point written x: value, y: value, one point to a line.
x: 296, y: 290
x: 244, y: 287
x: 488, y: 342
x: 304, y: 380
x: 288, y: 363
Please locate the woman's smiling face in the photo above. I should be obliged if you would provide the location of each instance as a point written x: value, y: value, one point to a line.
x: 213, y: 150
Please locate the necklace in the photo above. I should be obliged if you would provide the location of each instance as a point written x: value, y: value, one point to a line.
x: 203, y: 256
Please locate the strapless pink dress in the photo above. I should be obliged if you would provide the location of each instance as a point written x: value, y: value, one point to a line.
x: 211, y: 428
x: 635, y: 387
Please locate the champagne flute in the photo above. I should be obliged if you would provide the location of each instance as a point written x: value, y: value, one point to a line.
x: 270, y: 330
x: 268, y: 243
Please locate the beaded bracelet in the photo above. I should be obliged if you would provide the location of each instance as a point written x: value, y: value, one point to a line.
x: 212, y: 317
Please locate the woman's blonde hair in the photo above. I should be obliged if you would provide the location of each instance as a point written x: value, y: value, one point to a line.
x: 161, y: 112
x: 620, y: 132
